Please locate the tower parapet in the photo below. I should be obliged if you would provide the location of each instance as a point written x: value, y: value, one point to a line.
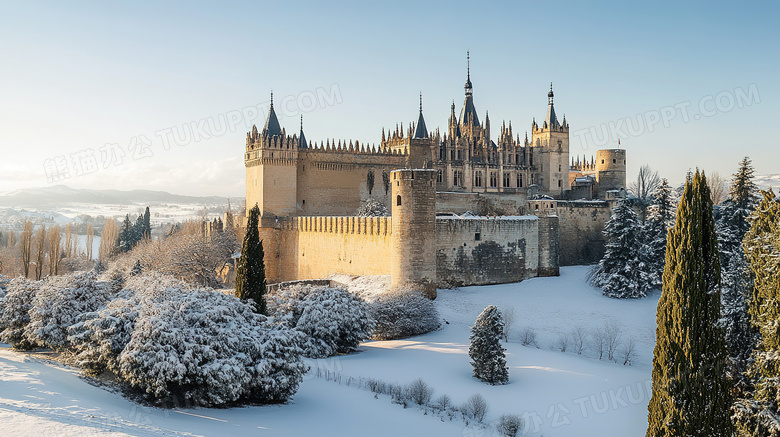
x: 610, y: 170
x: 414, y: 229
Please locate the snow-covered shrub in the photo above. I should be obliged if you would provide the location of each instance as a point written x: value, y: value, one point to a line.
x: 509, y: 425
x: 207, y: 348
x: 15, y: 312
x: 475, y: 408
x: 485, y: 350
x: 420, y: 392
x: 444, y: 402
x: 402, y: 314
x: 59, y: 303
x: 333, y: 320
x: 372, y: 208
x: 528, y: 337
x: 101, y: 336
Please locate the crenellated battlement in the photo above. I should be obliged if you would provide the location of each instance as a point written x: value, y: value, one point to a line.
x: 354, y: 225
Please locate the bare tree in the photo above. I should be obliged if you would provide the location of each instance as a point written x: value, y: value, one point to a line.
x: 40, y: 251
x: 89, y: 240
x: 613, y: 333
x: 25, y: 247
x: 11, y: 240
x: 67, y: 247
x: 508, y: 314
x: 563, y: 342
x: 528, y: 337
x: 579, y: 336
x: 108, y: 240
x: 718, y: 187
x: 54, y: 250
x: 627, y: 351
x: 598, y: 341
x: 647, y: 180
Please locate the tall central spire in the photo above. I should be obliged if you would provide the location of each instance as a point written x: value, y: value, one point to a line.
x: 468, y: 115
x: 469, y: 89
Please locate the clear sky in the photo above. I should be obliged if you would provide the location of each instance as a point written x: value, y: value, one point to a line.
x: 160, y: 96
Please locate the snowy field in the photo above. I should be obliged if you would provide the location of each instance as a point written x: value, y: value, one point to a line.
x: 557, y: 393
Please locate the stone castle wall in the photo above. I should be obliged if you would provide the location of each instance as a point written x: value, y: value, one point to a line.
x: 581, y: 230
x: 350, y: 245
x: 478, y: 251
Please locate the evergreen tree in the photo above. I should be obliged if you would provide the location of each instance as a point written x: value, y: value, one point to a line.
x: 250, y: 274
x: 487, y: 355
x: 622, y: 272
x: 147, y: 233
x: 126, y: 235
x: 690, y: 389
x: 759, y: 415
x: 743, y: 189
x: 732, y: 225
x: 660, y: 219
x: 139, y: 230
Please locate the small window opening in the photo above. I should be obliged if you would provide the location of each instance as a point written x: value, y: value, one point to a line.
x: 477, y: 236
x: 398, y: 200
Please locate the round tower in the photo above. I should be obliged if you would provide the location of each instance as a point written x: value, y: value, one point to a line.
x: 610, y: 170
x: 414, y: 229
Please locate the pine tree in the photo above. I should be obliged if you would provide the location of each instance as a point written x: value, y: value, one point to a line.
x: 250, y: 274
x: 759, y: 415
x: 660, y: 219
x: 690, y: 389
x: 126, y: 235
x: 622, y: 272
x: 147, y: 233
x: 732, y: 225
x: 743, y: 189
x: 487, y: 355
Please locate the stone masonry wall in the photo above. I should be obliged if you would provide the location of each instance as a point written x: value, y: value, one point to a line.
x: 485, y: 250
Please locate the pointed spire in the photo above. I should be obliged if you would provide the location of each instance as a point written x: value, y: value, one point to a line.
x: 421, y: 130
x: 271, y: 127
x: 551, y: 121
x: 302, y: 143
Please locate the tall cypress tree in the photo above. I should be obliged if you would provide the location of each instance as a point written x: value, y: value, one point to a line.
x: 759, y: 415
x: 691, y: 394
x: 250, y: 274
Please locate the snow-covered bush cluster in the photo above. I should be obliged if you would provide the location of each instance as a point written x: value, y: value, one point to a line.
x: 208, y: 348
x: 38, y: 313
x: 403, y: 313
x: 15, y: 312
x: 332, y: 320
x: 172, y: 341
x: 372, y: 208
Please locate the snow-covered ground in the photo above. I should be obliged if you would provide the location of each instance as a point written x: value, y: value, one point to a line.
x: 558, y: 394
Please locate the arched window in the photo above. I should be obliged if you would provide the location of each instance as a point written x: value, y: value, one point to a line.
x: 398, y: 200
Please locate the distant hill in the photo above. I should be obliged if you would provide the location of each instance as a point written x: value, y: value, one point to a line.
x: 61, y: 195
x: 766, y: 181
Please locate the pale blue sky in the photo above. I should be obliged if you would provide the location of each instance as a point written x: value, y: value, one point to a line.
x: 77, y: 76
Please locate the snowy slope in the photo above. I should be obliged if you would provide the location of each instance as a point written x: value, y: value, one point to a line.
x: 559, y: 394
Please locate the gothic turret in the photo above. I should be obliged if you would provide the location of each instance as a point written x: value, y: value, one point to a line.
x: 551, y: 121
x: 421, y: 131
x: 272, y: 127
x: 468, y: 115
x: 302, y: 144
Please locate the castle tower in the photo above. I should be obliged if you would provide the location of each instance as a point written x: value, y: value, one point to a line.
x: 551, y: 143
x: 610, y: 170
x: 271, y: 161
x: 414, y: 229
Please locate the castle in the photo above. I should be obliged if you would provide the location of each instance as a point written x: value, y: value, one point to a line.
x: 529, y: 206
